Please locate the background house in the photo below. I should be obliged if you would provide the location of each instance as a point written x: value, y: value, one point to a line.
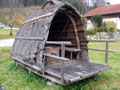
x: 109, y: 13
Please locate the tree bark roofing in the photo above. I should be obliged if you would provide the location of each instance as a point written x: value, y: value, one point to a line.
x: 30, y: 48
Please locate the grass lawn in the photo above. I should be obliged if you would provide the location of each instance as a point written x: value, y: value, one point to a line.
x: 4, y: 34
x: 13, y: 77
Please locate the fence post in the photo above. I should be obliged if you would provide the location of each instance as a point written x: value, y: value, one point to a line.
x: 62, y: 62
x: 106, y: 53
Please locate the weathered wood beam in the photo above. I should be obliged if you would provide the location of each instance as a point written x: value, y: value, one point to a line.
x: 102, y: 50
x: 106, y: 53
x: 59, y: 42
x: 30, y: 38
x: 110, y: 40
x: 42, y: 16
x: 56, y: 57
x: 62, y: 62
x: 29, y: 65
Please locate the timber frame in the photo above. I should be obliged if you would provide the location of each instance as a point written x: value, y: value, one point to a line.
x: 52, y: 43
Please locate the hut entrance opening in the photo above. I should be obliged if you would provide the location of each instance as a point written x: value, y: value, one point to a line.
x: 63, y: 29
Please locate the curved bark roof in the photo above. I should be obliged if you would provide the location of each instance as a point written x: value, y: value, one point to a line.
x: 30, y: 39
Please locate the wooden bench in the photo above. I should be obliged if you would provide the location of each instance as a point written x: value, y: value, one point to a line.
x: 71, y: 50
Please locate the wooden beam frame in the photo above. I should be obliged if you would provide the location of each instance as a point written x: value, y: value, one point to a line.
x: 30, y: 38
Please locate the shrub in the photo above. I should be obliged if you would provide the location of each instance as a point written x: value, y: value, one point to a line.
x: 101, y: 29
x: 97, y: 20
x: 90, y: 32
x: 110, y: 25
x: 97, y: 29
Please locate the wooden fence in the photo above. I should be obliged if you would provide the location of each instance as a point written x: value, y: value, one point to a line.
x: 102, y: 50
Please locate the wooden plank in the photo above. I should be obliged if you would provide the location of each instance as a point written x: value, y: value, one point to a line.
x: 73, y: 49
x: 42, y: 16
x: 29, y: 65
x: 102, y: 50
x: 59, y: 42
x: 56, y: 57
x: 62, y: 63
x: 110, y: 40
x: 49, y: 77
x: 30, y: 38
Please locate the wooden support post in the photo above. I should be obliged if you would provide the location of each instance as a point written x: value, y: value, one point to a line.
x: 44, y: 65
x: 106, y: 54
x: 62, y: 63
x: 71, y: 57
x: 30, y: 71
x: 17, y: 64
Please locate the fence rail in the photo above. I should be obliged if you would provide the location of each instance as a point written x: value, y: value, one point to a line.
x: 102, y: 50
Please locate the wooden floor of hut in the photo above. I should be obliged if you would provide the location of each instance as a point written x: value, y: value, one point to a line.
x: 77, y: 70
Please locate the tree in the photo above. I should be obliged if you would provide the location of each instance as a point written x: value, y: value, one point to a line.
x: 94, y: 6
x: 81, y: 5
x: 97, y: 20
x: 99, y: 2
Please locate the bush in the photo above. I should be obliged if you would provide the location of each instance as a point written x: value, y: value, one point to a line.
x: 110, y: 25
x: 90, y: 32
x: 97, y: 20
x: 101, y: 29
x: 97, y: 29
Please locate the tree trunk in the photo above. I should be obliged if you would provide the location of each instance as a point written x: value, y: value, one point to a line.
x: 11, y: 34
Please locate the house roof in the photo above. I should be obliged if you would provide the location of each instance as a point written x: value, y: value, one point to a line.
x: 104, y: 10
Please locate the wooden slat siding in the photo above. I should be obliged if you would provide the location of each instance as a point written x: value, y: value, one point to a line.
x: 64, y: 29
x: 42, y: 16
x: 75, y: 28
x: 30, y: 38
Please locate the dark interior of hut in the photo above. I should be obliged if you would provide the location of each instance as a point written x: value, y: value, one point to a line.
x: 62, y: 29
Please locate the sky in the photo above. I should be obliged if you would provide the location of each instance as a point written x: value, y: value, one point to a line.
x: 112, y: 2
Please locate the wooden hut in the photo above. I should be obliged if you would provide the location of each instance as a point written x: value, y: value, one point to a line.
x: 52, y: 43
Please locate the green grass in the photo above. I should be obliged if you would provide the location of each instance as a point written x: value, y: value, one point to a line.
x: 13, y: 77
x: 5, y: 34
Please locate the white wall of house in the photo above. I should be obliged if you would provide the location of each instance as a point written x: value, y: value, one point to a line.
x: 115, y: 20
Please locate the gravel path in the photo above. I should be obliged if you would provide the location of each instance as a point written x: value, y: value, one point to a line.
x: 6, y: 42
